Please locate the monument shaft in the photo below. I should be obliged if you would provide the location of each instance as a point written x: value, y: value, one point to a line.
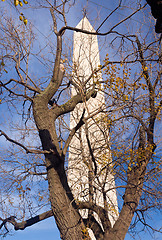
x: 90, y: 165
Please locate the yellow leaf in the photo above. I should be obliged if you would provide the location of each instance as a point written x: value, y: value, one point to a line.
x: 145, y: 76
x: 126, y: 97
x: 16, y: 2
x: 25, y: 21
x: 21, y: 18
x: 20, y: 3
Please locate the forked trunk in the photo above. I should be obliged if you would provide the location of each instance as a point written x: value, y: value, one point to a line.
x: 67, y: 217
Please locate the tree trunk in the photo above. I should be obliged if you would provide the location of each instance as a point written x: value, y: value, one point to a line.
x: 67, y: 217
x: 131, y: 200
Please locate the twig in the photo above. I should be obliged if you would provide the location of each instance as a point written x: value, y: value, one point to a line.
x: 25, y: 148
x: 72, y: 133
x: 97, y: 33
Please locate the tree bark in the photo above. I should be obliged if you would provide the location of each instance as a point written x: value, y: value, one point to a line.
x: 67, y: 217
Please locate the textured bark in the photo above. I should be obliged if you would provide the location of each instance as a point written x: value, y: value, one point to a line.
x: 131, y: 199
x: 66, y: 214
x: 133, y: 192
x: 67, y: 217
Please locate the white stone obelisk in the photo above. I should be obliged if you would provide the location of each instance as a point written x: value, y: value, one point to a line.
x: 89, y: 149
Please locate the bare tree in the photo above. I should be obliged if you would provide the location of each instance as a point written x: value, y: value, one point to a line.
x: 132, y: 86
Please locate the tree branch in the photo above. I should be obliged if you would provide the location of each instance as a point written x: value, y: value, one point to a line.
x: 95, y: 227
x: 25, y: 148
x: 101, y: 212
x: 22, y: 83
x: 109, y: 16
x: 91, y: 150
x: 72, y: 133
x: 54, y: 20
x: 58, y: 73
x: 71, y: 104
x: 22, y: 225
x: 62, y: 30
x: 16, y: 94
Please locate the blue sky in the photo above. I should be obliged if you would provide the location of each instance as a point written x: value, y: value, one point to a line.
x: 47, y: 229
x: 42, y: 230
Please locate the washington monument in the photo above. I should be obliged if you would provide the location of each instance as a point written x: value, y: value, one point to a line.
x: 89, y: 174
